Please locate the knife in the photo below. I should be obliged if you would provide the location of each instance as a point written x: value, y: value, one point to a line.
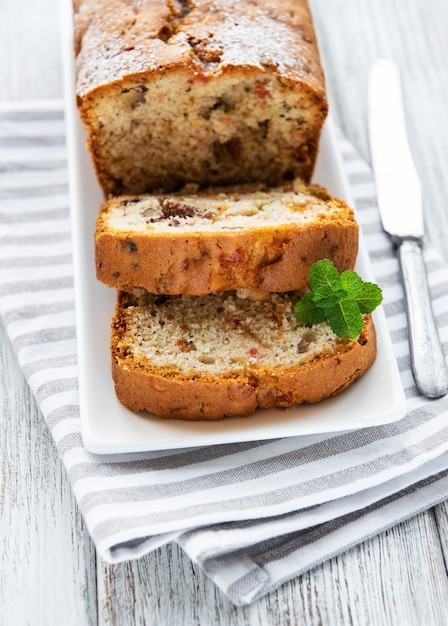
x: 400, y: 203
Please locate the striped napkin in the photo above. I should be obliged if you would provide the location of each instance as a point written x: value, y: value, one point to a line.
x: 252, y: 515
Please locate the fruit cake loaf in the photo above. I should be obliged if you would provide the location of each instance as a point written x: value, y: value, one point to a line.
x: 245, y: 237
x: 212, y: 92
x: 224, y: 354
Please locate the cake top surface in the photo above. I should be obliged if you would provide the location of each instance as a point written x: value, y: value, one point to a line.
x: 113, y: 40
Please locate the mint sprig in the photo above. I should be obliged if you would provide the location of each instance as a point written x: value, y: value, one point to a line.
x: 340, y: 299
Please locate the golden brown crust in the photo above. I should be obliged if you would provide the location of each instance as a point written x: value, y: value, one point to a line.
x: 134, y: 38
x: 272, y: 258
x: 211, y: 398
x: 182, y: 399
x: 321, y: 378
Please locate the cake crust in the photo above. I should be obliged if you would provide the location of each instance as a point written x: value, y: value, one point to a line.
x: 184, y: 253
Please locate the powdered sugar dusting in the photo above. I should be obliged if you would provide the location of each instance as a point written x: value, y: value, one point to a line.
x: 117, y: 39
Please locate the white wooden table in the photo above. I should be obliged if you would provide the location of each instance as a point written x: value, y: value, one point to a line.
x: 49, y: 572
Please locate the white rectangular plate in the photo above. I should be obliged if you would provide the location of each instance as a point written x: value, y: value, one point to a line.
x: 108, y: 427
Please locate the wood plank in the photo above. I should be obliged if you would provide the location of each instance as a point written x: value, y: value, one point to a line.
x: 352, y: 35
x: 30, y: 42
x: 47, y: 560
x: 165, y: 587
x: 441, y: 519
x: 397, y: 577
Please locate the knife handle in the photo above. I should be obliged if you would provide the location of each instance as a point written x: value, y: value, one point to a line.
x: 427, y: 358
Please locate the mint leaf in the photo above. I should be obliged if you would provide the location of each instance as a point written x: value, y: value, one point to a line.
x: 339, y: 299
x: 371, y: 297
x: 307, y: 311
x: 352, y: 283
x: 322, y: 273
x: 329, y: 295
x: 345, y: 319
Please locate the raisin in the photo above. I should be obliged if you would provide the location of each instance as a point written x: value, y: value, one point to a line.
x: 185, y: 346
x: 173, y: 208
x: 302, y: 346
x: 129, y: 245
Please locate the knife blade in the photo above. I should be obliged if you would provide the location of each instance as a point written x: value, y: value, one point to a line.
x: 400, y: 204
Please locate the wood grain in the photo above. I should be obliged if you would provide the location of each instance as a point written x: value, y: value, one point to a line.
x: 31, y: 49
x: 352, y: 35
x: 46, y: 555
x: 49, y: 570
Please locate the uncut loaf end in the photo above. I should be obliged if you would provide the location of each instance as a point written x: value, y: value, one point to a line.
x: 214, y: 240
x: 212, y: 92
x: 225, y: 354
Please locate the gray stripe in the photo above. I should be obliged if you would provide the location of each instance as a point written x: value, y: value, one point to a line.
x: 435, y: 264
x: 52, y: 363
x: 273, y: 498
x: 36, y: 240
x: 390, y: 280
x: 111, y: 467
x: 358, y: 178
x: 333, y: 446
x: 32, y: 142
x: 33, y: 311
x: 133, y: 545
x: 38, y: 216
x: 32, y: 166
x: 47, y: 335
x: 365, y: 202
x: 382, y: 254
x: 412, y: 391
x: 284, y: 545
x: 441, y: 320
x: 398, y: 307
x: 348, y: 154
x: 32, y: 116
x: 397, y: 336
x: 33, y: 192
x: 186, y: 536
x: 59, y: 385
x: 394, y: 308
x: 41, y: 261
x: 66, y: 411
x: 244, y: 587
x: 24, y: 286
x: 372, y: 228
x: 439, y: 291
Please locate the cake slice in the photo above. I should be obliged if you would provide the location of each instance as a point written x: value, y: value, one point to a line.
x: 172, y: 92
x: 246, y: 237
x: 224, y: 354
